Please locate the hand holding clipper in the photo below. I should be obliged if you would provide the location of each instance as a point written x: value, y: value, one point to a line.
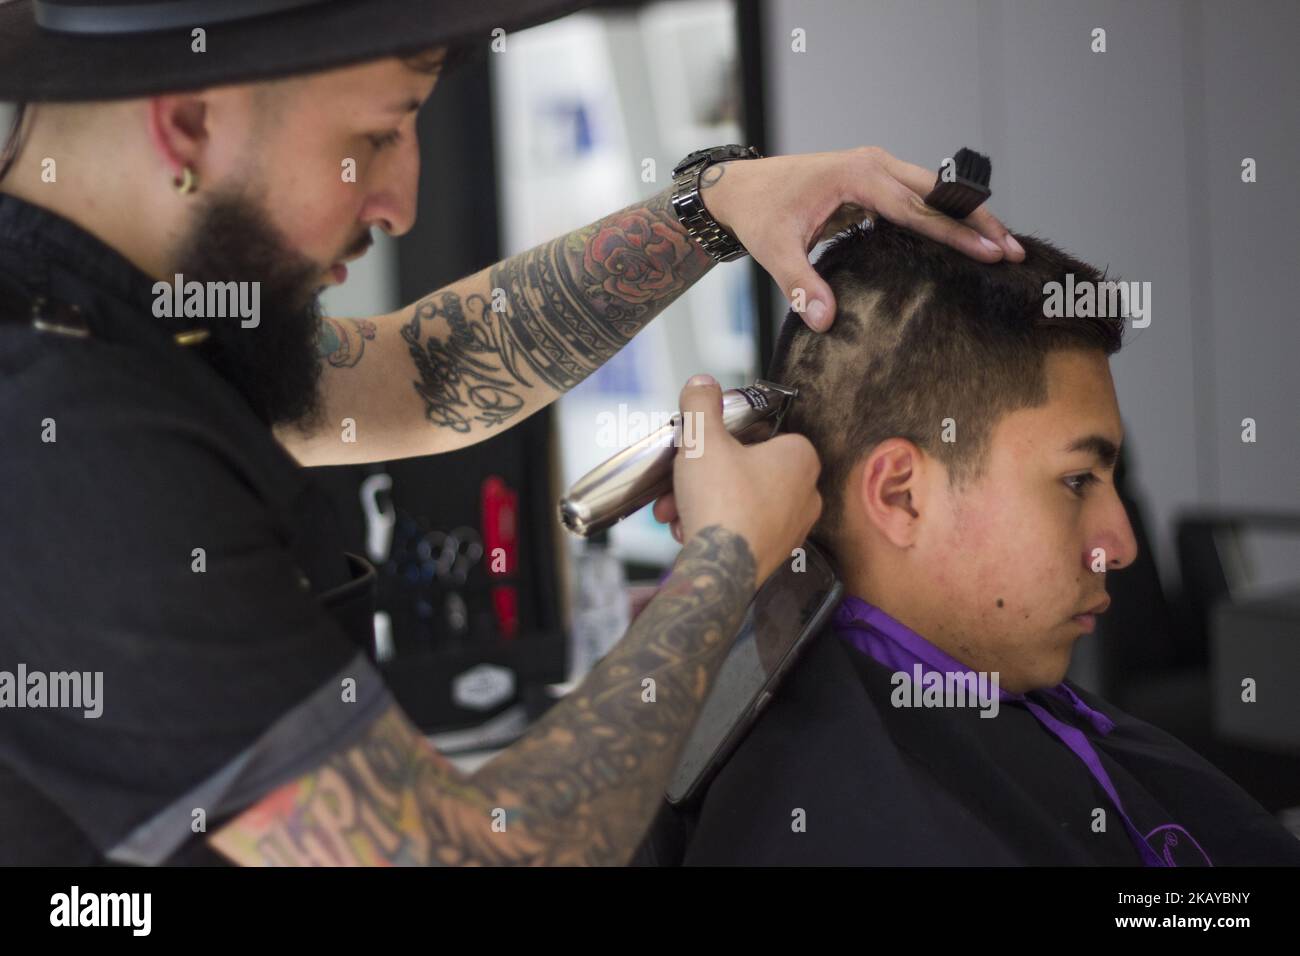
x: 643, y: 471
x: 765, y: 492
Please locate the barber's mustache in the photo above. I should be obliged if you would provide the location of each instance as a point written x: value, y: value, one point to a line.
x: 360, y: 247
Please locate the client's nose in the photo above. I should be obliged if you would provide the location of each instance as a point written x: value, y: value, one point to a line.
x: 1114, y: 535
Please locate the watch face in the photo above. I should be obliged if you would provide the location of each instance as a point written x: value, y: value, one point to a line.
x: 689, y: 161
x: 716, y: 154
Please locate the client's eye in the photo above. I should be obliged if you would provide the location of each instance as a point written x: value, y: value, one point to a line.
x: 1083, y: 483
x: 381, y: 140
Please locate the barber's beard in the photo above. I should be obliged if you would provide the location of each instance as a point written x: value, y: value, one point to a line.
x: 275, y: 365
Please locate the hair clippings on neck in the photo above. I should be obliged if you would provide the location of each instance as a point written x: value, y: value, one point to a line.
x: 962, y: 195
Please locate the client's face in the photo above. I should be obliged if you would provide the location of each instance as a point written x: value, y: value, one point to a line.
x: 1005, y: 567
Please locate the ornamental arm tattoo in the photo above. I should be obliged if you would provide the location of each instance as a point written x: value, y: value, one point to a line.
x: 341, y: 342
x: 550, y: 316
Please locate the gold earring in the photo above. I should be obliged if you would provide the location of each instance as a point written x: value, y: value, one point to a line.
x: 187, y: 182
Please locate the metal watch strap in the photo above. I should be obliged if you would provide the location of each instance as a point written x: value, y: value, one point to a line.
x: 720, y: 244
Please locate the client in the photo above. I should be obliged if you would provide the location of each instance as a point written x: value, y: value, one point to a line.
x: 968, y: 444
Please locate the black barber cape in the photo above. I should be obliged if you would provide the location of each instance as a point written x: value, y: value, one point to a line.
x: 215, y: 685
x: 880, y: 785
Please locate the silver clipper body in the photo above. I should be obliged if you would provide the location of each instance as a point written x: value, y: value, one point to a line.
x: 642, y: 472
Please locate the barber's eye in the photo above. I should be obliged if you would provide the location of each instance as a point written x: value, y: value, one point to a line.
x: 1079, y: 484
x: 381, y: 140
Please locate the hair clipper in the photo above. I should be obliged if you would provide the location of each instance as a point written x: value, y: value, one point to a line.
x: 642, y: 472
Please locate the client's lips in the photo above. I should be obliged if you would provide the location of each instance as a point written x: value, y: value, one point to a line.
x: 1100, y: 607
x: 1088, y: 619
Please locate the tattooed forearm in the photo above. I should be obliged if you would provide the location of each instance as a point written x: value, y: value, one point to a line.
x: 591, y: 775
x: 387, y: 801
x: 484, y: 352
x: 580, y: 788
x: 474, y: 375
x: 554, y: 314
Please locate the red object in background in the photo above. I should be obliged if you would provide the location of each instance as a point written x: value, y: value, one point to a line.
x: 500, y: 524
x: 505, y: 605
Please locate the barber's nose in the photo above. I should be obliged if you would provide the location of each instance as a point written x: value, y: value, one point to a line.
x: 392, y: 205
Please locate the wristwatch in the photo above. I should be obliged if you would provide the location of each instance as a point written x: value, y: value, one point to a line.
x: 691, y: 213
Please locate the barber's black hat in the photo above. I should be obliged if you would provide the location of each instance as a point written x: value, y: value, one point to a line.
x: 117, y: 49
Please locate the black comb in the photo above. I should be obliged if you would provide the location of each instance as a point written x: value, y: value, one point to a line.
x: 964, y: 195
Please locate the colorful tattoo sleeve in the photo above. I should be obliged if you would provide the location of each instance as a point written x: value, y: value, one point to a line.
x: 580, y: 787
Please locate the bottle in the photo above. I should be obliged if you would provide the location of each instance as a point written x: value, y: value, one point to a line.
x: 601, y: 615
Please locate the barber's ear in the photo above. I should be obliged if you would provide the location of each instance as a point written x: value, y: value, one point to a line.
x: 890, y: 490
x: 177, y: 128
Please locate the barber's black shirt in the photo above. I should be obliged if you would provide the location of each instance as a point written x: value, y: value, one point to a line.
x: 155, y: 533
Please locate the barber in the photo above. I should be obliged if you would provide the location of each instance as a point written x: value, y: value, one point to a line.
x: 160, y: 530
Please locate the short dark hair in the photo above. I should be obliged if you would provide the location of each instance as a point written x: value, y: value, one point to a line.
x: 922, y: 333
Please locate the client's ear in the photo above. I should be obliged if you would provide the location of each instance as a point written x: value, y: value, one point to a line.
x: 890, y: 490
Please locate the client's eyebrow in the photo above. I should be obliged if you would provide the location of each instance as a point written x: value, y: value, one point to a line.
x: 405, y: 106
x: 1105, y: 450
